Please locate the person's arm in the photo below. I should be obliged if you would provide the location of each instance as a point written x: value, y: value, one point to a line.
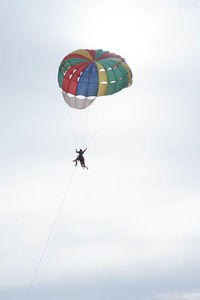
x: 85, y: 150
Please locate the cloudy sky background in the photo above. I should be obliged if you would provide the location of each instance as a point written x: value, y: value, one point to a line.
x: 130, y: 227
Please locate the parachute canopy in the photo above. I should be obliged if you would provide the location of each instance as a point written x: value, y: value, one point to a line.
x: 86, y: 74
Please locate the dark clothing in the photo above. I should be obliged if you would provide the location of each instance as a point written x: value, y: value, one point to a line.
x: 80, y: 154
x: 80, y: 158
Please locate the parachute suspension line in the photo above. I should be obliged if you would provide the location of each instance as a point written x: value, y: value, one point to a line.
x: 44, y: 250
x: 82, y: 125
x: 103, y: 120
x: 94, y: 121
x: 86, y: 126
x: 73, y: 128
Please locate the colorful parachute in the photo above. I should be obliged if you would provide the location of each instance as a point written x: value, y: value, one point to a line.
x: 86, y: 74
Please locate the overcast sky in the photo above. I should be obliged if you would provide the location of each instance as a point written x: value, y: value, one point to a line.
x: 130, y: 226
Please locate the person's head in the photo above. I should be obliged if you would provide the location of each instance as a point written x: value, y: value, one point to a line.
x: 81, y: 150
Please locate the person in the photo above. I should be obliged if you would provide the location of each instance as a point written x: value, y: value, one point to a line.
x: 80, y: 158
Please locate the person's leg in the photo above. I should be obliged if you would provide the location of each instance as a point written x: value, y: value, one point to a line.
x: 75, y: 160
x: 83, y: 164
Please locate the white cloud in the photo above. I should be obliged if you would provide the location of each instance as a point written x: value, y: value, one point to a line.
x: 135, y: 213
x: 179, y: 296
